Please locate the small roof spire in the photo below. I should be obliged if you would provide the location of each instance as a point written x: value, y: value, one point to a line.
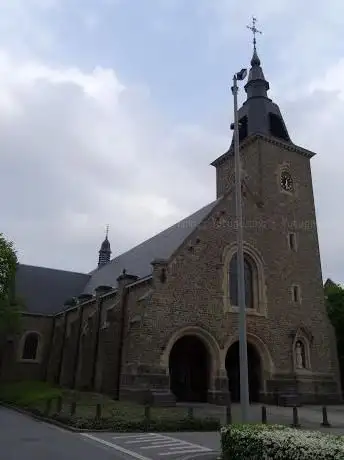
x: 105, y: 250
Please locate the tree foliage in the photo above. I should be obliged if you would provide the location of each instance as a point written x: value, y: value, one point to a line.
x: 9, y: 308
x: 334, y: 295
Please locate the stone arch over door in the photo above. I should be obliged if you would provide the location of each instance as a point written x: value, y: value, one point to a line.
x: 197, y: 348
x: 260, y: 362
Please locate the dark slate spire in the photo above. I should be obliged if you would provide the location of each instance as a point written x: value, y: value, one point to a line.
x: 256, y: 85
x: 258, y: 114
x: 105, y: 250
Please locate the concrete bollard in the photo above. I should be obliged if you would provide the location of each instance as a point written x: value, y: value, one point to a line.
x: 98, y: 411
x: 296, y: 423
x: 47, y: 407
x: 264, y: 415
x: 228, y: 414
x: 147, y: 417
x: 325, y: 421
x: 190, y: 413
x: 73, y: 408
x: 59, y: 404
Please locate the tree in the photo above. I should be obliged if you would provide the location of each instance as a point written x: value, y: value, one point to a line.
x: 9, y: 307
x: 334, y: 296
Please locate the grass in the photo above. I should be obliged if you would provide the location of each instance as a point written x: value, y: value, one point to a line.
x: 34, y: 396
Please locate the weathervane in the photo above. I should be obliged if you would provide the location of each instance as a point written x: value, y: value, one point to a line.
x: 254, y: 30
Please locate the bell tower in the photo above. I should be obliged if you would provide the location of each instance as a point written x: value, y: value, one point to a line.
x: 280, y: 228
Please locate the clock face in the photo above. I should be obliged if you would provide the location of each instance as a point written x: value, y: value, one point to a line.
x: 286, y: 181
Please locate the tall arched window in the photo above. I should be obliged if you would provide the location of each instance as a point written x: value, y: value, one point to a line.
x: 249, y: 281
x: 30, y: 348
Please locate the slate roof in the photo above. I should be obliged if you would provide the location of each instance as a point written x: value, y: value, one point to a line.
x: 44, y: 290
x: 137, y: 261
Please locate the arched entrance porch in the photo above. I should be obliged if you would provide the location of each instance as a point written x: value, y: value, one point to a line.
x: 254, y: 371
x: 189, y: 369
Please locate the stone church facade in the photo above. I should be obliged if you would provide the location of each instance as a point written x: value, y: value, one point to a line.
x: 164, y: 315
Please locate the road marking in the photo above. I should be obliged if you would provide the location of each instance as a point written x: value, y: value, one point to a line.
x: 184, y: 451
x: 168, y: 445
x: 164, y: 444
x: 115, y: 446
x: 138, y: 441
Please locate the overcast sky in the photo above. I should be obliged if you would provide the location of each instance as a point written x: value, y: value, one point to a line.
x: 112, y: 110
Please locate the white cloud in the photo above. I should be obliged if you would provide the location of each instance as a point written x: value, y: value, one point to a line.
x: 81, y: 150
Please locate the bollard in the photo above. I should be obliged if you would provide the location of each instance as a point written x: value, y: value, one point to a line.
x: 47, y: 407
x: 190, y: 413
x: 73, y: 408
x: 296, y: 423
x: 325, y: 421
x: 59, y: 405
x: 228, y: 414
x: 147, y: 417
x: 264, y: 415
x: 98, y: 411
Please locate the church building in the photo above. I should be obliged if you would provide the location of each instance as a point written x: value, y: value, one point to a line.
x: 163, y: 316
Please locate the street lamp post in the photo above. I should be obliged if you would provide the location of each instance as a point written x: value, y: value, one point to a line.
x: 244, y: 391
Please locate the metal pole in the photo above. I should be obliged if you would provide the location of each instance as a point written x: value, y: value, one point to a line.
x: 244, y: 391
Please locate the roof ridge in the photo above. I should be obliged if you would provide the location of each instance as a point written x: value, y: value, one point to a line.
x: 53, y: 269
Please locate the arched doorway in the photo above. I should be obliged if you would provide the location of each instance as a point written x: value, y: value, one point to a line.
x: 189, y: 369
x: 254, y: 372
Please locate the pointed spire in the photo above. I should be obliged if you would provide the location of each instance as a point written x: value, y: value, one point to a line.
x: 255, y: 61
x: 105, y: 250
x: 256, y: 85
x: 259, y: 114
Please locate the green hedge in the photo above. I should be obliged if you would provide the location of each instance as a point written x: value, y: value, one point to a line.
x: 276, y: 442
x: 125, y: 426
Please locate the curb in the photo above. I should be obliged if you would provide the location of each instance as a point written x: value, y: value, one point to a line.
x: 213, y: 455
x: 41, y: 418
x: 72, y: 429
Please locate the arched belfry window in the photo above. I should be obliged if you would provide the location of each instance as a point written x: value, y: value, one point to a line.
x: 31, y: 346
x: 250, y: 271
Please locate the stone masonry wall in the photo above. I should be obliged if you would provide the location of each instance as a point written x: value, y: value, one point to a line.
x: 193, y: 293
x: 13, y: 367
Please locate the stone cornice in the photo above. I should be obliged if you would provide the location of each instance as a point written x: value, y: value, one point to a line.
x: 272, y: 140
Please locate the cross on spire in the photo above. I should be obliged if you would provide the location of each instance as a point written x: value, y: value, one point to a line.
x: 107, y: 231
x: 254, y: 30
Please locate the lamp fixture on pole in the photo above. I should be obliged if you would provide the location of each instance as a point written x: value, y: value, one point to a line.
x: 244, y: 390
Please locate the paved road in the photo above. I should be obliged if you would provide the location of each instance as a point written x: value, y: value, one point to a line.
x: 23, y: 438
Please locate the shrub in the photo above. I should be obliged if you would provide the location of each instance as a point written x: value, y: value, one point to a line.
x: 258, y: 442
x: 125, y: 426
